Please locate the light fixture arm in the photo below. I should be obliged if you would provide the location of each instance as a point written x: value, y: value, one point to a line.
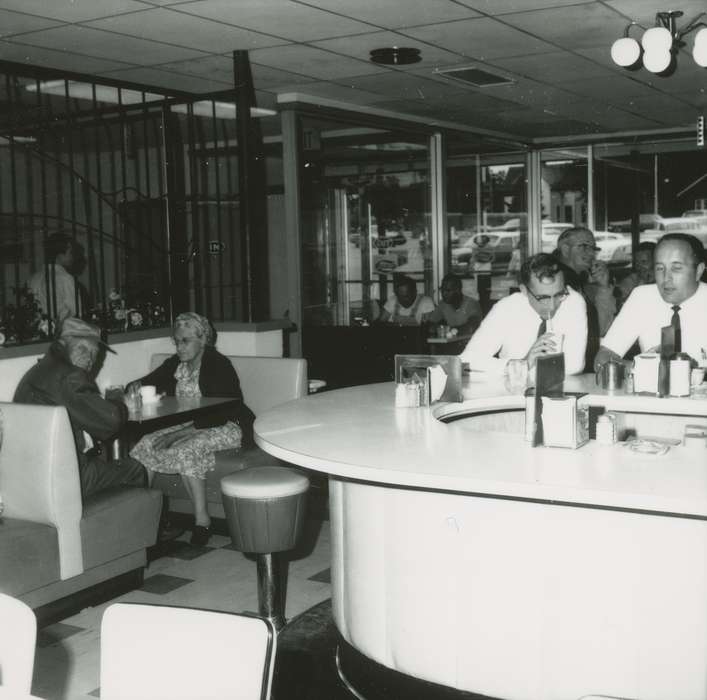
x: 693, y: 24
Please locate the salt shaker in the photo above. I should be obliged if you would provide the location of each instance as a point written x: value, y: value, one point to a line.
x: 606, y: 430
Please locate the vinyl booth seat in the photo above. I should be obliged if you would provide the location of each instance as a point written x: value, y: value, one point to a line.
x: 265, y: 382
x: 52, y: 545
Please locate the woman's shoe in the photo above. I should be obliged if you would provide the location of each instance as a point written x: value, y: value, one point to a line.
x: 200, y: 535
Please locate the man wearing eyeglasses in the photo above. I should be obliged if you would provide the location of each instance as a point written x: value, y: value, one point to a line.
x: 525, y: 325
x: 577, y: 252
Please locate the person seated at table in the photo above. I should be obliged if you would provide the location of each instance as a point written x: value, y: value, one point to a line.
x: 642, y: 271
x: 196, y: 369
x: 65, y: 377
x: 677, y: 298
x: 456, y: 309
x: 517, y: 329
x: 406, y: 307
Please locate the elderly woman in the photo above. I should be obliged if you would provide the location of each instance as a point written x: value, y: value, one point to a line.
x: 196, y: 369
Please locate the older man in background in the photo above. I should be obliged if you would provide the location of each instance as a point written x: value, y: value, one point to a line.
x: 577, y: 250
x: 64, y: 377
x: 677, y: 299
x: 517, y: 329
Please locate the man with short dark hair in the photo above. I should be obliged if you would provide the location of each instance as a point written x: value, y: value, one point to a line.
x: 456, y: 309
x: 54, y: 287
x: 406, y: 307
x: 517, y: 327
x: 577, y: 251
x: 677, y: 298
x: 64, y: 377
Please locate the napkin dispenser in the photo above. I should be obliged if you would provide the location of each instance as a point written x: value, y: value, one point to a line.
x: 564, y: 423
x: 646, y: 367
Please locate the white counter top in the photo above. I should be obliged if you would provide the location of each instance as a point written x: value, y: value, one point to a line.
x: 358, y: 433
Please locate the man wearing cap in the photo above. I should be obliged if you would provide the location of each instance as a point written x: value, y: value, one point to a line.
x: 577, y: 252
x: 63, y: 377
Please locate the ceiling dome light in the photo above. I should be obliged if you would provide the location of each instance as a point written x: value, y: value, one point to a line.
x: 625, y: 52
x: 699, y: 50
x: 657, y: 61
x: 396, y: 56
x: 657, y: 39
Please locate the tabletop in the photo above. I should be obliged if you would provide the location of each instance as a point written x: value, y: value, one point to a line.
x: 358, y: 433
x: 181, y: 408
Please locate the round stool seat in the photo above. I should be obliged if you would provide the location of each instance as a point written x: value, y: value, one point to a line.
x: 264, y: 482
x: 264, y: 508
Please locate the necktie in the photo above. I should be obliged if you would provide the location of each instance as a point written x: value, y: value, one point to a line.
x: 543, y: 328
x: 675, y: 323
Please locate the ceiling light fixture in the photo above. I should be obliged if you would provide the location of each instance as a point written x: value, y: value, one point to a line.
x: 660, y: 44
x: 396, y: 56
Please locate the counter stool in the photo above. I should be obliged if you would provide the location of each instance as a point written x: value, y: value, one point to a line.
x: 264, y: 508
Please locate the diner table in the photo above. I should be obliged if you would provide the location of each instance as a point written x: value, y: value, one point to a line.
x: 165, y: 412
x: 465, y: 557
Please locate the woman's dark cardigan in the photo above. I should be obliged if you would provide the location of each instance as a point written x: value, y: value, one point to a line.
x: 217, y: 378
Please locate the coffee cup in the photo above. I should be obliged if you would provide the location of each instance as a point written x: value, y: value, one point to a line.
x: 148, y: 393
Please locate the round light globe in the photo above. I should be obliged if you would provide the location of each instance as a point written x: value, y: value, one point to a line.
x: 625, y: 52
x: 699, y: 50
x: 657, y: 39
x: 657, y: 61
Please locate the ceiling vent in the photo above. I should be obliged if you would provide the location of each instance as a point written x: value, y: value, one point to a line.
x: 475, y: 77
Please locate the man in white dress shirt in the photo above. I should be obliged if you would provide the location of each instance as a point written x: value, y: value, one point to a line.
x: 677, y: 298
x: 522, y: 326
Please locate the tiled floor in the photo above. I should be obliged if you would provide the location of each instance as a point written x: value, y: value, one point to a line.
x: 215, y: 577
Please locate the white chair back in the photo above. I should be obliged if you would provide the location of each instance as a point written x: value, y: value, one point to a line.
x: 155, y: 652
x: 18, y: 636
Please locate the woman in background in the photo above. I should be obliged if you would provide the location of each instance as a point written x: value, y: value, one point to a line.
x: 197, y: 369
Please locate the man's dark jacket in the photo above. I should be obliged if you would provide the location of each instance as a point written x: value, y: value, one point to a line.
x: 217, y: 378
x: 54, y: 381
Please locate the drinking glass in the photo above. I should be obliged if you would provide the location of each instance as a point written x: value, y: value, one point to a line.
x: 133, y: 398
x: 515, y: 376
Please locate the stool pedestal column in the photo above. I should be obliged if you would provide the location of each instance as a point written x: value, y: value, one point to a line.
x: 264, y: 508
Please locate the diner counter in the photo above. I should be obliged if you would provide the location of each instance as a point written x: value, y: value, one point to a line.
x: 358, y: 433
x: 464, y: 557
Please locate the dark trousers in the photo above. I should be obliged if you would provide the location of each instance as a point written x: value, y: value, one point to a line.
x: 98, y: 474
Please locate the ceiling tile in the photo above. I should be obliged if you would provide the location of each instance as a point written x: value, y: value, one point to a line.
x: 281, y: 18
x: 93, y: 42
x: 74, y: 10
x: 61, y: 60
x: 184, y: 30
x: 575, y: 26
x: 16, y: 23
x: 608, y: 87
x: 643, y: 11
x: 221, y: 68
x: 340, y: 93
x: 318, y: 63
x: 167, y: 80
x: 482, y: 39
x: 391, y: 15
x: 361, y: 45
x: 555, y: 67
x: 500, y: 7
x: 395, y: 85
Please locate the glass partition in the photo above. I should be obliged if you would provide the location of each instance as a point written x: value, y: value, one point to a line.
x: 365, y: 219
x: 487, y: 222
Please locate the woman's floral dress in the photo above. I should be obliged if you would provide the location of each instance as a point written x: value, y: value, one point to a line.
x: 195, y: 456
